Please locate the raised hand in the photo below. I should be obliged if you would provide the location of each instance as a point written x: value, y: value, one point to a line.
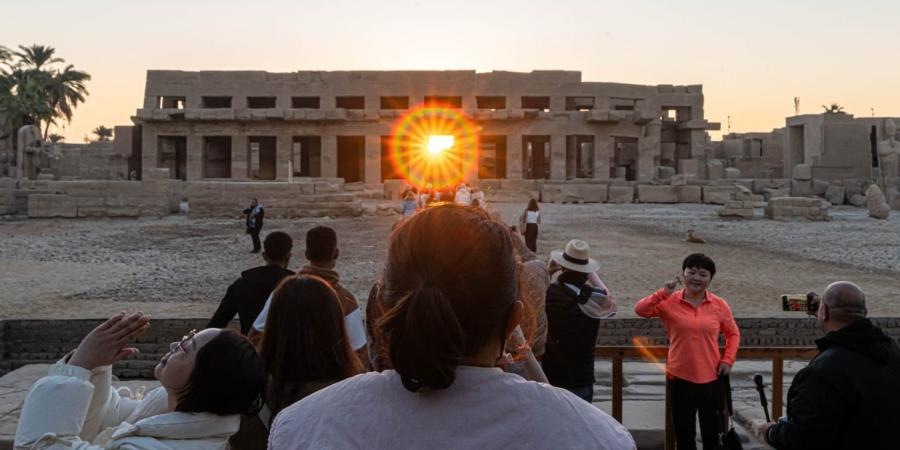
x: 107, y: 343
x: 671, y: 285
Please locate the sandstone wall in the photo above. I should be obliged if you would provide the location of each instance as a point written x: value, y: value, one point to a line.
x: 157, y: 195
x: 45, y: 341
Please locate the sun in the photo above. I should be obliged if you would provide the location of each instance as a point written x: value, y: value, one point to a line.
x: 438, y: 143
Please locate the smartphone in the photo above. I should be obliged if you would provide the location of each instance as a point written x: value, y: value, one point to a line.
x: 807, y: 303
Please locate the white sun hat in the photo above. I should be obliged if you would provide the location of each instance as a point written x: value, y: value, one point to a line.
x: 576, y: 257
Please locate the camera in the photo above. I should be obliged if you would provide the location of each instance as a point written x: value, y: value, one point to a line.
x: 808, y: 303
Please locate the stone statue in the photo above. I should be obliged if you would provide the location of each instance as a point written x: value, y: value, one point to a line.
x: 889, y: 150
x: 29, y: 148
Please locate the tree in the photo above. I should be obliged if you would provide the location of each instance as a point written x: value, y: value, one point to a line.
x: 33, y: 90
x: 37, y: 56
x: 103, y: 133
x: 833, y: 108
x: 56, y: 138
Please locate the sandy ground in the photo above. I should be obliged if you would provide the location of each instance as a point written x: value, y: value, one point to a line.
x: 180, y: 267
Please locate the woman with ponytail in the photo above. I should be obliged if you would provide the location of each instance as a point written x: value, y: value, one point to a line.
x: 449, y: 289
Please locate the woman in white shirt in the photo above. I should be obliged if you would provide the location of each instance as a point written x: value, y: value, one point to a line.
x: 530, y: 220
x: 450, y: 310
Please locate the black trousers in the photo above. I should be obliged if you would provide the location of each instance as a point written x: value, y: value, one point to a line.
x: 531, y: 232
x: 254, y: 234
x: 688, y: 400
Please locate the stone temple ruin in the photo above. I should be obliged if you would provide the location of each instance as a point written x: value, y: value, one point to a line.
x: 312, y: 143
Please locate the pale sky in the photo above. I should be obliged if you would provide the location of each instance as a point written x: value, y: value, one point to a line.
x: 752, y: 58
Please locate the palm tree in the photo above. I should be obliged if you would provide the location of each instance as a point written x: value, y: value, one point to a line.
x: 55, y: 138
x: 34, y: 91
x: 66, y: 90
x: 103, y: 133
x: 833, y: 108
x: 37, y: 56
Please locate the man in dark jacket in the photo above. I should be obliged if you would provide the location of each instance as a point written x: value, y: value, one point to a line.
x: 848, y: 397
x: 255, y: 214
x: 246, y: 296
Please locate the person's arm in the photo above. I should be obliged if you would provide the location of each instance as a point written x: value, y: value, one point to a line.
x: 226, y: 311
x: 255, y: 334
x: 533, y: 369
x: 816, y: 409
x: 76, y: 400
x: 247, y: 211
x: 732, y: 339
x: 649, y: 306
x: 539, y: 218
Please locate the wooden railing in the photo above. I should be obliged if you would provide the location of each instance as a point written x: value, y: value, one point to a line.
x: 658, y: 353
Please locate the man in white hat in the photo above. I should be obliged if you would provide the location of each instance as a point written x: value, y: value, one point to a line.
x: 574, y: 310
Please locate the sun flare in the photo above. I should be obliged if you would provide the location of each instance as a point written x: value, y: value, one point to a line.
x: 438, y: 143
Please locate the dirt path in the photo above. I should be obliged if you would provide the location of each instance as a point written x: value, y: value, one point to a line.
x: 179, y: 267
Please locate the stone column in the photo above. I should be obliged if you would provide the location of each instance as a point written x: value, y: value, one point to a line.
x: 603, y: 153
x: 558, y: 157
x: 282, y: 156
x: 239, y: 149
x: 514, y: 161
x: 571, y: 157
x: 149, y: 151
x: 194, y: 157
x: 373, y: 159
x: 329, y: 156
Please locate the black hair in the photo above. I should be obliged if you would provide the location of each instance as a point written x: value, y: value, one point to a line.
x: 699, y: 261
x: 533, y: 205
x: 321, y: 243
x: 228, y: 378
x: 277, y: 245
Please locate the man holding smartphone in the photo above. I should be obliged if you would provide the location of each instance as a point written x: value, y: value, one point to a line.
x: 848, y: 395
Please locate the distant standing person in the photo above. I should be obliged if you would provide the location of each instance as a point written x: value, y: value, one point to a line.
x: 409, y: 204
x: 531, y: 219
x: 255, y: 214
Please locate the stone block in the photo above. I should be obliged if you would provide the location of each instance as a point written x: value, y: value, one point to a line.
x: 802, y: 172
x: 91, y: 211
x: 678, y: 180
x: 875, y: 202
x: 123, y: 211
x: 801, y: 188
x: 327, y: 187
x: 717, y: 195
x: 594, y: 193
x: 688, y: 167
x: 664, y: 172
x: 819, y: 187
x: 715, y: 170
x: 835, y: 194
x: 770, y: 193
x: 732, y: 173
x: 669, y: 194
x: 741, y: 213
x: 51, y: 205
x: 621, y: 194
x: 561, y: 193
x: 761, y: 184
x: 689, y: 194
x: 858, y: 200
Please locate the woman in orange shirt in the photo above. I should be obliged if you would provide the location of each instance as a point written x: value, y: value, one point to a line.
x: 694, y: 318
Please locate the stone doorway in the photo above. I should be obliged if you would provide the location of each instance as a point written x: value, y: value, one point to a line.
x: 262, y: 157
x: 351, y: 158
x: 536, y: 157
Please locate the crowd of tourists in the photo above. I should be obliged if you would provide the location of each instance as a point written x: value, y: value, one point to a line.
x: 470, y: 340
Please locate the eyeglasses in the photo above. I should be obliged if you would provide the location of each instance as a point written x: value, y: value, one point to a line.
x: 185, y: 339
